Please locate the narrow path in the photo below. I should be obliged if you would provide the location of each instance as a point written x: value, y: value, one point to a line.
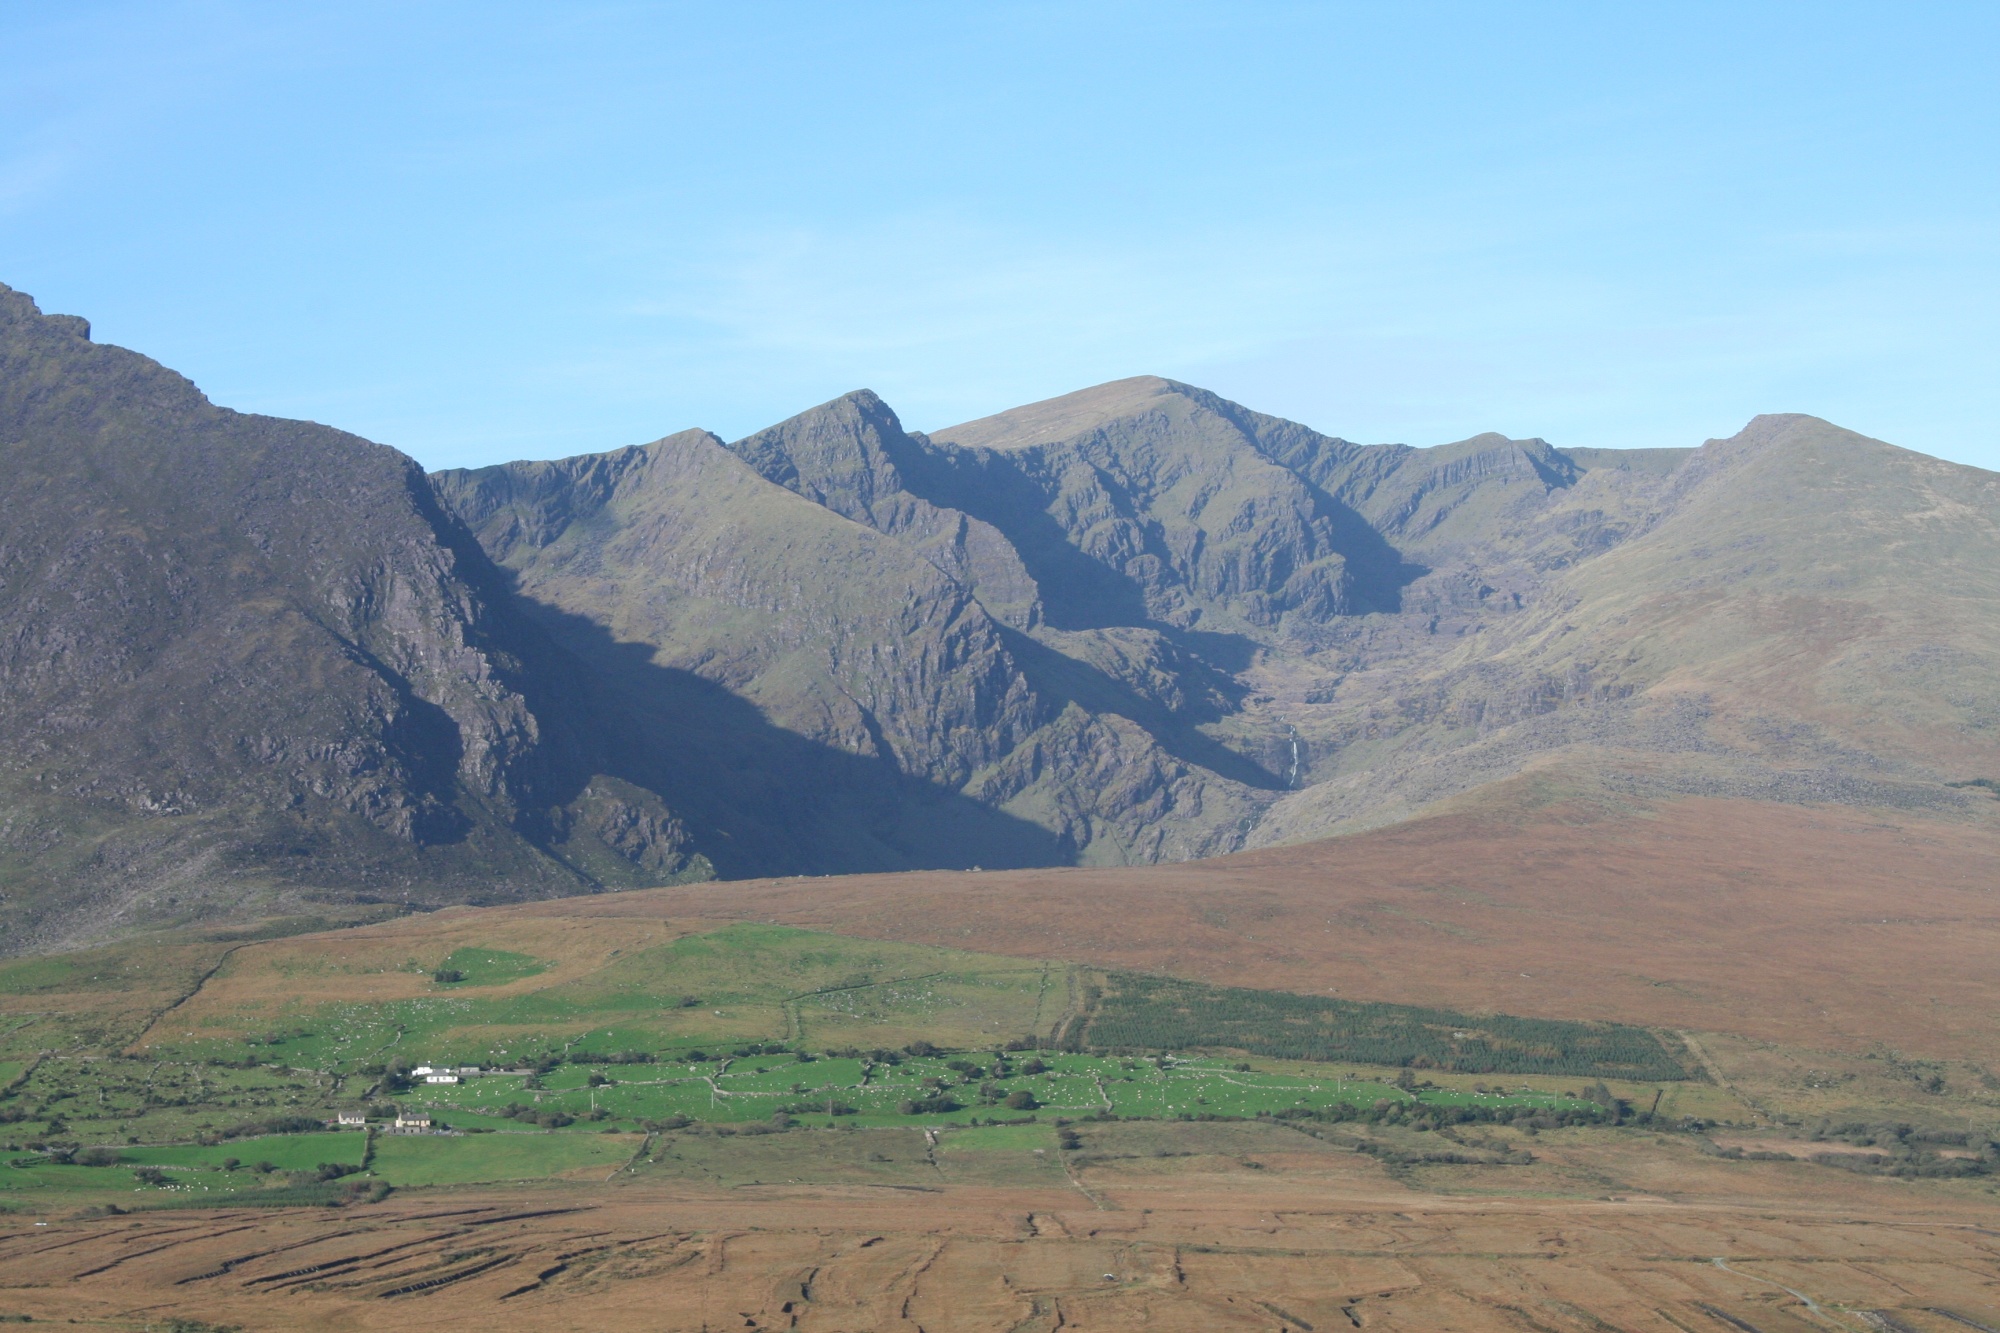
x: 1714, y: 1071
x: 193, y: 991
x: 1810, y: 1303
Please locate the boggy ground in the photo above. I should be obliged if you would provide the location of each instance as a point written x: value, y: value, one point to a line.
x: 1142, y: 1225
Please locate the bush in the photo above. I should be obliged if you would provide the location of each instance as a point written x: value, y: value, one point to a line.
x: 934, y: 1105
x: 534, y: 1115
x: 446, y: 976
x: 283, y: 1124
x: 1020, y: 1099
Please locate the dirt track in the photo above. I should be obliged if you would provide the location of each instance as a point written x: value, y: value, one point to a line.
x: 1822, y: 928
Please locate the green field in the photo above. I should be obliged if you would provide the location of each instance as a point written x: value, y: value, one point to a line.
x: 743, y: 982
x: 729, y: 1037
x: 409, y: 1160
x: 184, y: 1171
x: 892, y: 1089
x: 487, y: 967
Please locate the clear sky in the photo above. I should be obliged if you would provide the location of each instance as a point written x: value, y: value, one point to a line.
x: 490, y: 231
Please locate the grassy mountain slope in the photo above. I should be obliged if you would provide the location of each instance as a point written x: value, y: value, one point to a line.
x: 1797, y: 613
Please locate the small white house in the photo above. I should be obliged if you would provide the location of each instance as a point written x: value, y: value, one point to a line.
x: 422, y: 1070
x: 440, y: 1078
x: 412, y: 1120
x: 351, y: 1119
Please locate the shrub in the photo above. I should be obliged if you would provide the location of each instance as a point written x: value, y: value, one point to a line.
x: 282, y: 1124
x: 934, y: 1105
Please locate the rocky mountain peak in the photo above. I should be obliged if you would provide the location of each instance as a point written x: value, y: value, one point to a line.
x: 251, y: 660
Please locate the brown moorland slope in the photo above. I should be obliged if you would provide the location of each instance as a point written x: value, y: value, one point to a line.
x: 1820, y: 927
x: 1256, y: 1228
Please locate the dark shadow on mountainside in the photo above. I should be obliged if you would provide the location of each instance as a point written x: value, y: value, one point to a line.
x: 761, y: 800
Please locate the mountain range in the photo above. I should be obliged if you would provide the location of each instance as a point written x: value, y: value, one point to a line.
x: 251, y: 665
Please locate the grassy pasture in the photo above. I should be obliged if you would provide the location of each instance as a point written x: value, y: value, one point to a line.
x: 488, y: 967
x: 287, y: 1152
x: 754, y: 1089
x: 308, y: 1003
x: 422, y: 1159
x: 189, y: 1168
x: 635, y: 1027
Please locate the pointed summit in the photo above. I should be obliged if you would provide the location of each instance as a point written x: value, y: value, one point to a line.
x: 853, y: 456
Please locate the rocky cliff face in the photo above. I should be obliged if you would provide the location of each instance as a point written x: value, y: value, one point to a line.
x: 246, y: 663
x: 1219, y: 629
x: 795, y: 573
x: 260, y: 647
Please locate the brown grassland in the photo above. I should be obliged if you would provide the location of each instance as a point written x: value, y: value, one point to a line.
x: 1815, y: 927
x: 1246, y: 1226
x: 1814, y: 958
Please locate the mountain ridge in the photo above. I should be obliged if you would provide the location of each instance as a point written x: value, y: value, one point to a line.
x: 253, y: 663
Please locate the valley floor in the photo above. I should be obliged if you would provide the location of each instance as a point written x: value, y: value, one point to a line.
x: 1148, y: 1225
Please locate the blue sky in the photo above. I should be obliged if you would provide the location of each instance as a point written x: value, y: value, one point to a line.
x: 492, y: 231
